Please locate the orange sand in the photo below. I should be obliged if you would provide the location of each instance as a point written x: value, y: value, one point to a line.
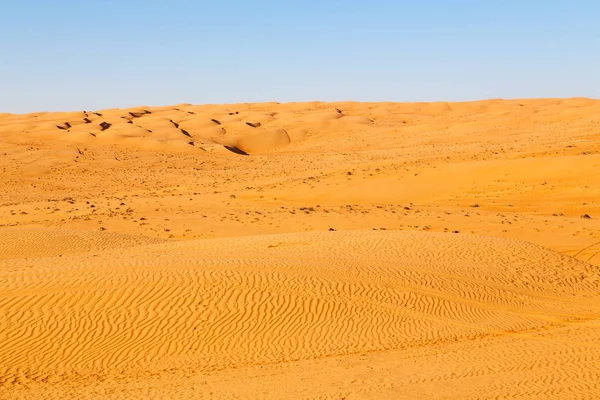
x: 302, y: 250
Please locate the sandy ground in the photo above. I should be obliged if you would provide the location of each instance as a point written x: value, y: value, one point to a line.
x: 302, y: 250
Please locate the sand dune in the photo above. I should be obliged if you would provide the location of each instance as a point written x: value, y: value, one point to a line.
x: 302, y: 250
x: 209, y: 305
x: 47, y: 242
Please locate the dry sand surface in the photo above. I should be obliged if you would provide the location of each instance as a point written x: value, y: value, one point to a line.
x: 302, y: 250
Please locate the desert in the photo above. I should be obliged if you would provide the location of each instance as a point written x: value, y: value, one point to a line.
x: 310, y: 250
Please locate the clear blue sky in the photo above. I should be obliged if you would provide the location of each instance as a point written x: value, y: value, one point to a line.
x: 93, y: 54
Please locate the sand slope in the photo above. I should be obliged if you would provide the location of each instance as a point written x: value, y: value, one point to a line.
x: 201, y: 306
x: 302, y: 250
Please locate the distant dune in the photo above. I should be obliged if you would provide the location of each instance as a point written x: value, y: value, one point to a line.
x: 302, y: 250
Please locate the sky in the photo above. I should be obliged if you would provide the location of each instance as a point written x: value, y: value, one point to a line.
x: 96, y: 54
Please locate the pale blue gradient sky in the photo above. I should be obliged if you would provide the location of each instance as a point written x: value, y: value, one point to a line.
x: 93, y: 54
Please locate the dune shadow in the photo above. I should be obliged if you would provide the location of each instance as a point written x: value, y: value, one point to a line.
x: 186, y: 133
x: 235, y: 150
